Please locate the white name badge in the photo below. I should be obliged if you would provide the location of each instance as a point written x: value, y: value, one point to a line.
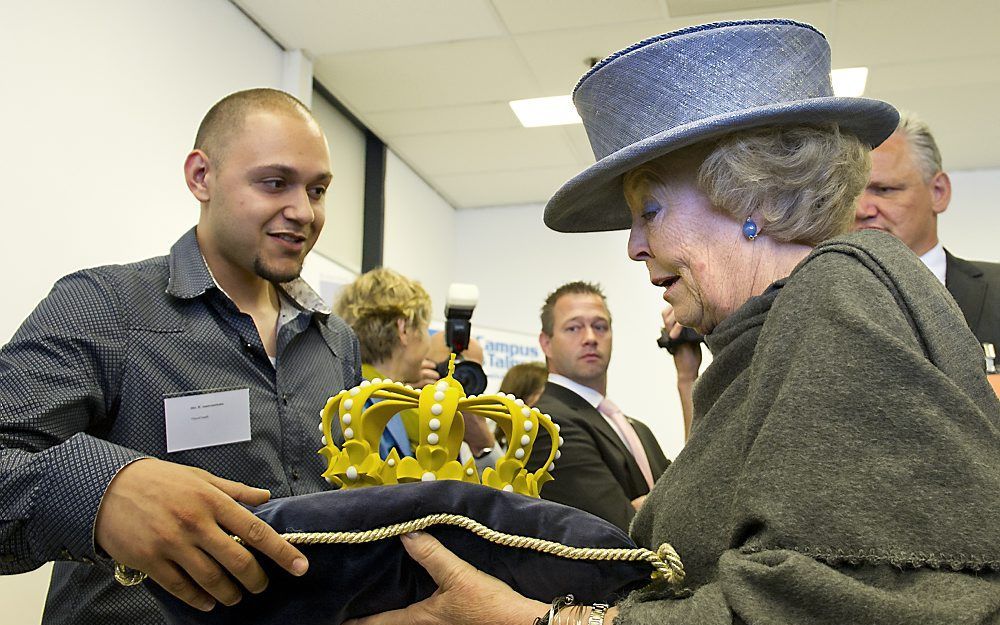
x: 206, y: 418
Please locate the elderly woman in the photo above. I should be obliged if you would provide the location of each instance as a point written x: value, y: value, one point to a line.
x: 844, y: 458
x: 390, y: 314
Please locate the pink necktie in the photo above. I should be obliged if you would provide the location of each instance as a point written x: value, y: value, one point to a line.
x: 611, y: 411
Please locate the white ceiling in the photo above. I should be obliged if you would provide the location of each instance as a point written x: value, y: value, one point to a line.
x: 432, y: 78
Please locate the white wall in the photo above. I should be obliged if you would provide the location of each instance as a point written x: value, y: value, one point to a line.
x: 970, y: 228
x: 420, y: 232
x: 516, y: 262
x: 345, y: 205
x: 100, y: 103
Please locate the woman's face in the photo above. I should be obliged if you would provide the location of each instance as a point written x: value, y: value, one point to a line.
x: 691, y: 251
x: 416, y: 342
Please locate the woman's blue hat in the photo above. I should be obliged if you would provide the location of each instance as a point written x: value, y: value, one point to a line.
x: 699, y: 83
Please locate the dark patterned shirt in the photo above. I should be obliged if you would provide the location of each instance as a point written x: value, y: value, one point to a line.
x: 82, y: 385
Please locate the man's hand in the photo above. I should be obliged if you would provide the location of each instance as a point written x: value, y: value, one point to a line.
x: 638, y: 502
x: 687, y: 360
x: 688, y: 356
x: 173, y: 522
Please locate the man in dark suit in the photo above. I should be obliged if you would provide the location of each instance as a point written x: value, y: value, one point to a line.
x: 608, y: 462
x: 907, y: 191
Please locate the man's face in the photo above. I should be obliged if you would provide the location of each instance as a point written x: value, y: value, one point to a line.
x: 898, y: 198
x: 263, y: 205
x: 580, y: 345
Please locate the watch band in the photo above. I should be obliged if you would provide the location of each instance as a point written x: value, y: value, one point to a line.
x: 597, y: 614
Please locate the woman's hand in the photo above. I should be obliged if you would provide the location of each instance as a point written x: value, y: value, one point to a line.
x: 465, y: 595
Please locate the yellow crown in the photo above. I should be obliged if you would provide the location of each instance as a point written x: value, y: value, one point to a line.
x: 441, y: 430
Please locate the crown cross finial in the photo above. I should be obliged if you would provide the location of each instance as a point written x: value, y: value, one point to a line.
x: 363, y: 412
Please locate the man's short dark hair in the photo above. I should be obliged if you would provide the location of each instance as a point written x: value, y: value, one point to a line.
x: 226, y: 118
x: 570, y: 288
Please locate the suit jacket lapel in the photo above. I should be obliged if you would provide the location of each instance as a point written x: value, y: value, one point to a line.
x: 964, y: 282
x: 593, y: 416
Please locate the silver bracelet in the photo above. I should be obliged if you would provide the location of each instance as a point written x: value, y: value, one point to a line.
x: 557, y: 604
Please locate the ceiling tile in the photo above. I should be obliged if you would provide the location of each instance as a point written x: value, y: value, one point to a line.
x: 331, y: 26
x: 687, y: 8
x: 934, y: 75
x: 558, y: 59
x: 452, y: 74
x: 500, y: 188
x: 433, y: 77
x: 485, y: 151
x: 526, y: 16
x: 967, y: 140
x: 871, y: 33
x: 443, y: 119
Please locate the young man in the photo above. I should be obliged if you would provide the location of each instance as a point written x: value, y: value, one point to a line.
x: 142, y: 404
x: 608, y: 462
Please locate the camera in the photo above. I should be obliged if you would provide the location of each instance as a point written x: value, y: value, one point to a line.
x: 462, y: 300
x: 687, y: 336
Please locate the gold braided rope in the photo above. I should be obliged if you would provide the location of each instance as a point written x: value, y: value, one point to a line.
x: 667, y: 564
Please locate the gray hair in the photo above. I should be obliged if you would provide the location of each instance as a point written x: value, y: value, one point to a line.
x: 801, y: 181
x: 925, y: 149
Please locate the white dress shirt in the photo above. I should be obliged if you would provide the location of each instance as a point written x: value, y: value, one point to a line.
x: 591, y: 396
x: 935, y: 260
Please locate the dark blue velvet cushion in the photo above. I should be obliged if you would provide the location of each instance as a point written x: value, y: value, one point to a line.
x: 345, y: 581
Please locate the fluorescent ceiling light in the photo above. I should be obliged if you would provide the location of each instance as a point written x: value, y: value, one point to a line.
x: 849, y: 82
x: 555, y: 111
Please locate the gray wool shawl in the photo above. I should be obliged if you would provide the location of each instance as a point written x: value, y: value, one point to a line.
x: 844, y: 459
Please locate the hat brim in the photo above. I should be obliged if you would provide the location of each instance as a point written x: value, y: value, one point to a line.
x: 593, y: 200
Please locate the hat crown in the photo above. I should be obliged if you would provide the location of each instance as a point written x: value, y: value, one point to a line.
x: 687, y: 76
x: 363, y: 412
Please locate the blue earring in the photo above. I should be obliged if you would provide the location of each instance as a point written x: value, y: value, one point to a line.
x: 750, y: 229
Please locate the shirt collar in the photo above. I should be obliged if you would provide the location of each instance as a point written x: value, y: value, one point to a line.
x: 936, y: 261
x: 190, y: 277
x: 593, y: 397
